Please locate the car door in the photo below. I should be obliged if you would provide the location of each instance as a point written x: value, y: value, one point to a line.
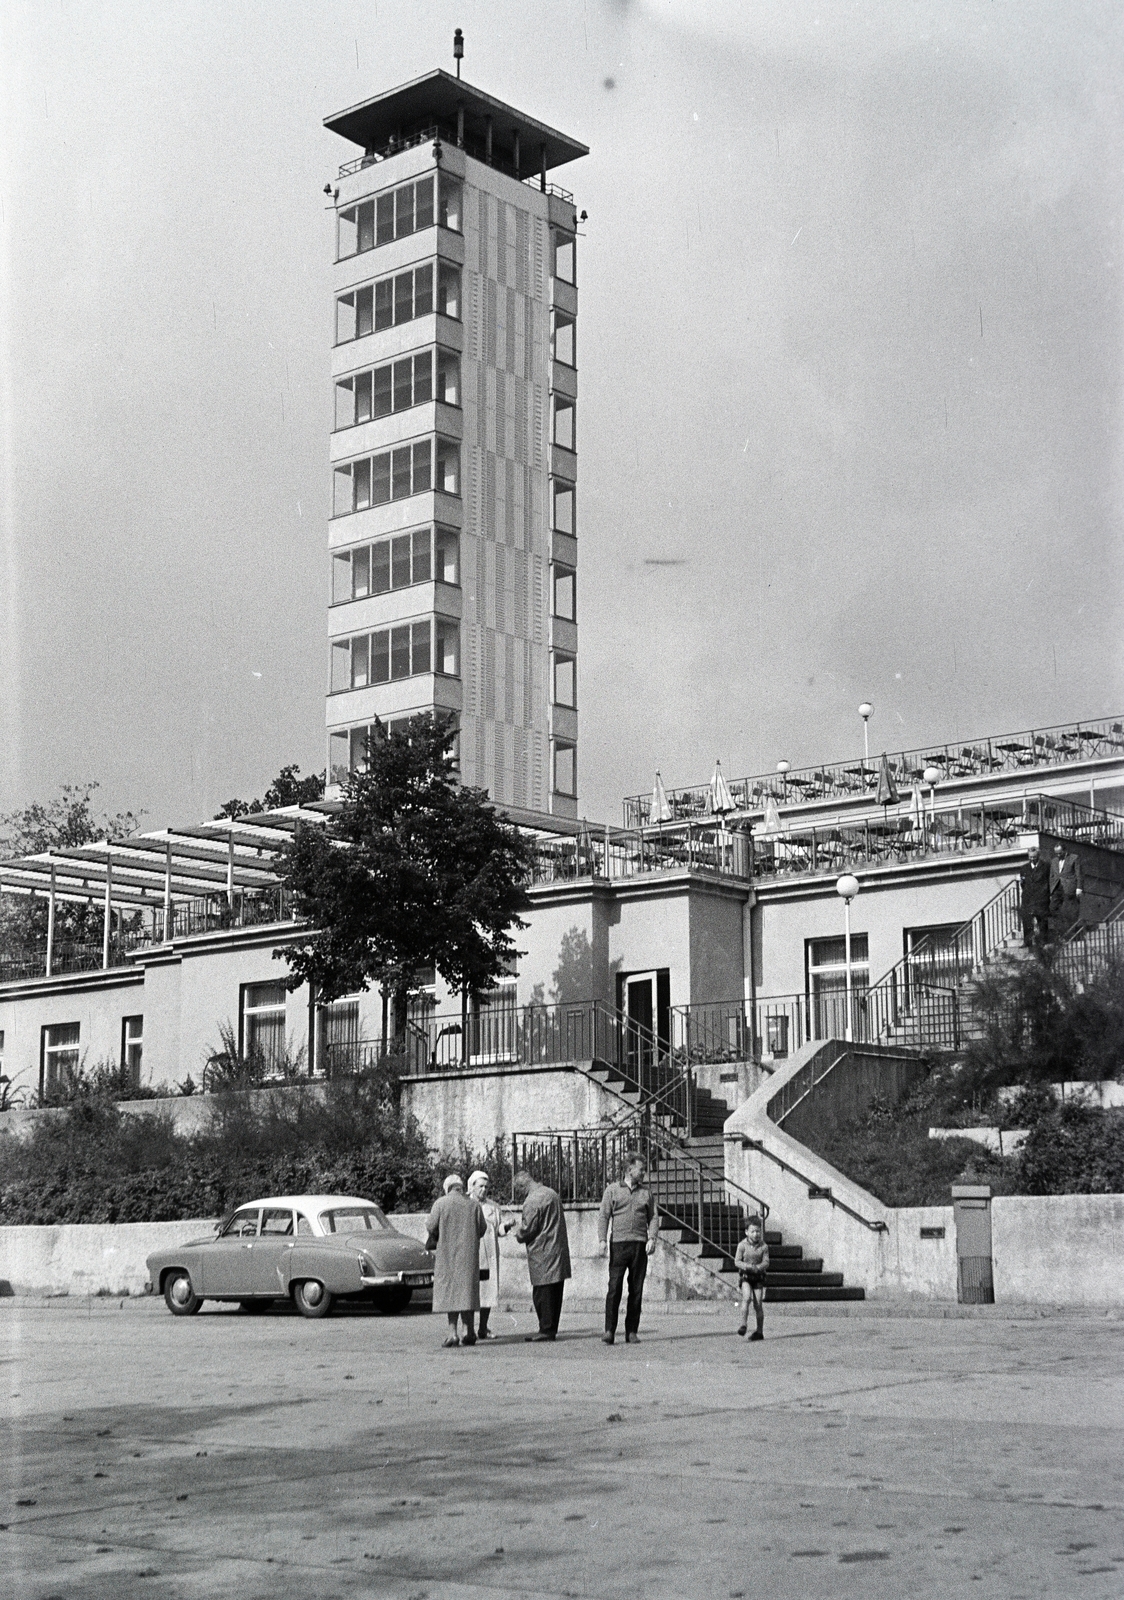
x: 228, y: 1262
x: 273, y: 1244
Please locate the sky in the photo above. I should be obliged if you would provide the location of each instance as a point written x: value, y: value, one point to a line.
x: 849, y: 419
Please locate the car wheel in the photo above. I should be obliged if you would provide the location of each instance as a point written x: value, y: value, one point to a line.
x: 254, y: 1305
x: 179, y: 1296
x: 312, y: 1299
x: 394, y: 1300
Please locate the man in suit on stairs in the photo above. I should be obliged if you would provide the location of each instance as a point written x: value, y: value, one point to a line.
x: 1067, y: 887
x: 1034, y: 879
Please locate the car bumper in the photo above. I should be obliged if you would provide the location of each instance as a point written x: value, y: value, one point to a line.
x: 397, y: 1280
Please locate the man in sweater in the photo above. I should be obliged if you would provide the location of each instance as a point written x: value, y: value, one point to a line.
x: 628, y: 1208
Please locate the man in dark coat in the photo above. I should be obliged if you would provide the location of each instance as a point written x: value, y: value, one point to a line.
x: 1067, y: 887
x: 1034, y: 879
x: 542, y: 1229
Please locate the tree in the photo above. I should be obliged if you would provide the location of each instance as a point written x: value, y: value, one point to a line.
x: 67, y: 822
x: 414, y: 871
x: 287, y: 789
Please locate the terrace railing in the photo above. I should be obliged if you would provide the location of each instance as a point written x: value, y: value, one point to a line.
x: 1010, y: 752
x: 617, y: 855
x: 908, y: 836
x: 252, y: 908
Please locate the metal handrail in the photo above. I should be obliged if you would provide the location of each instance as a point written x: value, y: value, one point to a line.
x: 564, y: 1155
x: 815, y: 1191
x: 1006, y: 752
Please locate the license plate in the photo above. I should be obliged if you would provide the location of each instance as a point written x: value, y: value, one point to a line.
x: 418, y: 1280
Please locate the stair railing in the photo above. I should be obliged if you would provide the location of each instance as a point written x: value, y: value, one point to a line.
x: 816, y: 1191
x: 579, y: 1164
x: 938, y: 965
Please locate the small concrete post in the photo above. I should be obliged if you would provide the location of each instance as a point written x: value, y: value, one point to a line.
x: 971, y: 1209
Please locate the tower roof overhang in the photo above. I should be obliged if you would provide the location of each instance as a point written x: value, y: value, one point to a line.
x: 435, y: 101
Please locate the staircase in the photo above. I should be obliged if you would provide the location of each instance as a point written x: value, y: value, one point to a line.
x: 792, y: 1275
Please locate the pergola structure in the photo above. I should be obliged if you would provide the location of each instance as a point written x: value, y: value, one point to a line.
x: 221, y: 859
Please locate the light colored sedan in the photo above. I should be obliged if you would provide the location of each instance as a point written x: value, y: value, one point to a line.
x: 311, y: 1248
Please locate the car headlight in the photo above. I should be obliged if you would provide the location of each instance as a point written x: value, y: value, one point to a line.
x: 366, y: 1265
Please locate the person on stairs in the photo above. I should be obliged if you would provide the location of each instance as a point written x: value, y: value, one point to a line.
x: 752, y: 1261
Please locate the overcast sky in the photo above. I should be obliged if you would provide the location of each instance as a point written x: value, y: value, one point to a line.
x: 850, y: 374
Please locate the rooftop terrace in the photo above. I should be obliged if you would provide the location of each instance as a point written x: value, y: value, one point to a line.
x: 1016, y: 753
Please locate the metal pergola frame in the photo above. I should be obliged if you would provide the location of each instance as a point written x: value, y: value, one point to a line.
x: 151, y: 871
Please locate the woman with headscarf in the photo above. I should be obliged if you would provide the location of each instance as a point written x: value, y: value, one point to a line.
x: 478, y: 1186
x: 456, y: 1226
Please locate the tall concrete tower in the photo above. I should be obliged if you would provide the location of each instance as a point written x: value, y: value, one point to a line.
x: 454, y: 525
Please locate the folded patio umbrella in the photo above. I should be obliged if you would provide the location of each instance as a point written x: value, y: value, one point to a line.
x: 887, y: 789
x: 918, y: 808
x: 721, y: 800
x: 661, y: 810
x: 771, y: 822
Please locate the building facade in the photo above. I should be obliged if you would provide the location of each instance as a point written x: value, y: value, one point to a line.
x: 453, y: 526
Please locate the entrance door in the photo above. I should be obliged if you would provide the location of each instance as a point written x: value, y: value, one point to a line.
x: 644, y: 999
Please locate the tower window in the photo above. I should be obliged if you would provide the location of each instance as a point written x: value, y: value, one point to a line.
x: 565, y: 768
x: 565, y: 593
x: 394, y: 387
x: 564, y: 422
x: 347, y: 747
x: 565, y: 680
x: 449, y: 203
x: 448, y: 291
x: 563, y: 339
x: 407, y: 651
x: 565, y: 261
x: 395, y: 475
x: 402, y: 211
x: 390, y: 301
x: 394, y: 563
x: 563, y: 507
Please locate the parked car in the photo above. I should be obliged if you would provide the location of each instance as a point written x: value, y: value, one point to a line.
x: 311, y: 1248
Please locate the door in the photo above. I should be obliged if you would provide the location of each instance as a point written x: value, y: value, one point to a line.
x: 228, y: 1262
x: 274, y: 1241
x: 644, y: 1000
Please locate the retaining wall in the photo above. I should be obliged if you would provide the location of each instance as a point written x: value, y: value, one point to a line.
x: 108, y: 1258
x: 484, y: 1104
x: 1060, y: 1250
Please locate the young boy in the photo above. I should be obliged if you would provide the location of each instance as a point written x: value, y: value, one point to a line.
x: 752, y: 1262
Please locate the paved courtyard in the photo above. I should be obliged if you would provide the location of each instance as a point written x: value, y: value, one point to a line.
x: 243, y: 1455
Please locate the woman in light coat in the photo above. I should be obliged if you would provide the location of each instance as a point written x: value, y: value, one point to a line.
x: 478, y: 1186
x: 456, y: 1226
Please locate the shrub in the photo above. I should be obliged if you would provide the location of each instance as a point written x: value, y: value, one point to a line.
x: 91, y: 1162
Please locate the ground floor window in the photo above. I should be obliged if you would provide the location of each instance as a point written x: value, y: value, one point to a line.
x: 59, y: 1054
x: 132, y: 1045
x: 827, y: 984
x: 262, y: 1030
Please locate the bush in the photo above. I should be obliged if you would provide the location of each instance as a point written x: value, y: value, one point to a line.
x: 1040, y: 1026
x: 91, y: 1162
x: 888, y: 1152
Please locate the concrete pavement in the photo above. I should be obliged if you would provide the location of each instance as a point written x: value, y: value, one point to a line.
x: 246, y: 1455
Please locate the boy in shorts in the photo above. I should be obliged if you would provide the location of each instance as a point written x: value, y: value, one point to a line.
x: 752, y: 1262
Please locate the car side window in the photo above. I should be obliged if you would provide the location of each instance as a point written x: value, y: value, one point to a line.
x: 276, y: 1223
x: 303, y: 1224
x: 242, y: 1225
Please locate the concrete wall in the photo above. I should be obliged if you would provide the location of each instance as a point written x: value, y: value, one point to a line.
x: 109, y: 1259
x: 849, y: 1087
x: 1065, y: 1249
x: 482, y: 1106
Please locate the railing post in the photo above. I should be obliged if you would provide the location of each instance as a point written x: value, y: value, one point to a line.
x: 699, y: 1190
x: 514, y: 1162
x: 576, y: 1196
x: 690, y: 1077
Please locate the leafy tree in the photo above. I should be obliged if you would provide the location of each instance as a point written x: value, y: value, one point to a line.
x: 66, y: 822
x: 414, y: 871
x: 287, y: 789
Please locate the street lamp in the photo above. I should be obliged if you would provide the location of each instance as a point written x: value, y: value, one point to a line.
x: 932, y: 776
x: 847, y: 887
x: 866, y: 711
x: 782, y: 768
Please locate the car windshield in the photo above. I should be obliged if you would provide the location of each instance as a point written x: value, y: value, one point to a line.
x: 353, y: 1219
x: 241, y: 1225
